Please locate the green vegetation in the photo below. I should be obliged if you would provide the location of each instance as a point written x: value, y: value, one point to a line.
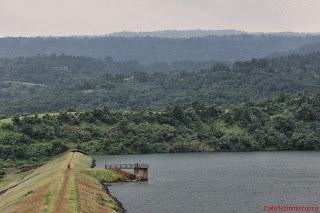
x: 90, y: 84
x: 105, y: 107
x: 54, y: 188
x: 104, y: 175
x: 157, y: 112
x: 285, y: 123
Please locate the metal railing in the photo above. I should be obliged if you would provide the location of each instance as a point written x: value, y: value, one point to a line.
x: 127, y: 166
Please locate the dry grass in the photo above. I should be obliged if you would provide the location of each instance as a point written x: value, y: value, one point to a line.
x: 10, y: 180
x: 61, y: 205
x: 35, y: 201
x: 91, y: 196
x: 41, y: 177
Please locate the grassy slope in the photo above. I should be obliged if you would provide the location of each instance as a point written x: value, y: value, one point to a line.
x: 9, y: 120
x: 54, y: 188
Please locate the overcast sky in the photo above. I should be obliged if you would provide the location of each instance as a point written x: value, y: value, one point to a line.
x: 96, y: 17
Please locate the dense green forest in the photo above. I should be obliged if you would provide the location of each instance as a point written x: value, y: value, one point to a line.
x: 23, y: 77
x: 153, y: 49
x: 59, y: 70
x: 285, y: 123
x: 53, y: 83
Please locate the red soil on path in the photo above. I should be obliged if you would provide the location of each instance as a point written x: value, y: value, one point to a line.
x: 62, y: 202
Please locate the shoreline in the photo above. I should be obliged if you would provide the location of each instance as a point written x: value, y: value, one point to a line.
x: 107, y: 191
x: 118, y: 203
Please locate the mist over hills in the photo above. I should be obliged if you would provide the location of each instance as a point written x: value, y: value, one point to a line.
x: 154, y: 49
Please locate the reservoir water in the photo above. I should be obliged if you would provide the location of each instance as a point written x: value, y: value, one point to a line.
x: 220, y: 182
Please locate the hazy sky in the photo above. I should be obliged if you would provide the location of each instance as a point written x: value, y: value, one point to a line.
x: 96, y: 17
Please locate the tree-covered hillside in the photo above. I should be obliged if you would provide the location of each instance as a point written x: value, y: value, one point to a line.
x: 22, y: 77
x: 303, y: 50
x: 152, y: 49
x: 59, y: 70
x: 222, y: 84
x: 285, y: 123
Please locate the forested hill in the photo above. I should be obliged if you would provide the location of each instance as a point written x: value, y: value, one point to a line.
x: 285, y: 123
x: 222, y: 84
x: 64, y: 69
x: 152, y: 49
x: 24, y: 76
x: 305, y: 49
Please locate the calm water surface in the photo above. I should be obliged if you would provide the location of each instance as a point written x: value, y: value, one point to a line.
x: 220, y: 182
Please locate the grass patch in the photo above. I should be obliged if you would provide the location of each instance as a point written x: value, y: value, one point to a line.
x: 219, y: 123
x: 81, y: 161
x: 5, y: 121
x: 9, y: 120
x: 104, y: 175
x: 9, y: 180
x: 235, y: 130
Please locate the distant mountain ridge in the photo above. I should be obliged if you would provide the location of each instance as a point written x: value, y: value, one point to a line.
x: 177, y: 33
x: 153, y: 49
x: 305, y: 49
x: 201, y: 33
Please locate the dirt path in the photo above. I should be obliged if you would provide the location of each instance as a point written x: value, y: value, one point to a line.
x: 62, y: 202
